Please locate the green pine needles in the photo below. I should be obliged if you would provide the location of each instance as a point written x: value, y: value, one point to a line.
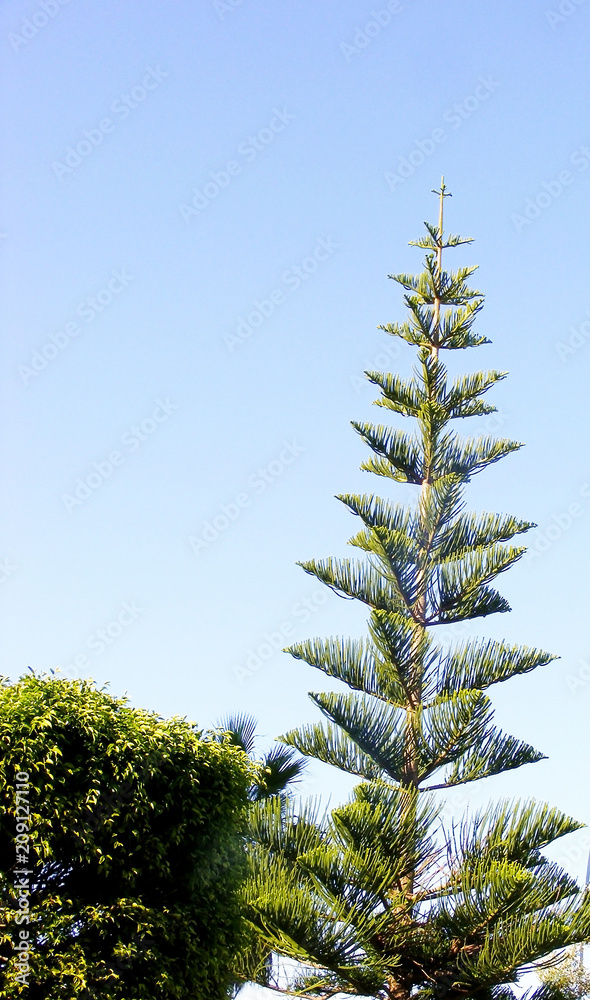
x: 373, y: 901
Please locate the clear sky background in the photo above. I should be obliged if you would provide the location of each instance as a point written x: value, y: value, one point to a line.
x: 169, y: 167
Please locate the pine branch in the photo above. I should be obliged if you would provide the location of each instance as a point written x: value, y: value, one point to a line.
x: 377, y: 731
x: 465, y: 459
x: 432, y: 240
x: 462, y: 583
x: 479, y: 664
x: 468, y: 388
x: 354, y: 579
x: 398, y: 394
x: 400, y: 451
x: 475, y: 531
x: 513, y: 832
x: 355, y: 663
x: 328, y: 743
x: 285, y: 829
x: 496, y: 753
x: 451, y: 727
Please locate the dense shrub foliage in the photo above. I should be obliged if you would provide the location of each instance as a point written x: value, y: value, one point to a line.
x: 120, y: 851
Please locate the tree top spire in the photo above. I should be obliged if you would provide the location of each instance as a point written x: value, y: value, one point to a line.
x: 443, y: 193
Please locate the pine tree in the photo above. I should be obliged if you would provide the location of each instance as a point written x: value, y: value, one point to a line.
x: 377, y: 900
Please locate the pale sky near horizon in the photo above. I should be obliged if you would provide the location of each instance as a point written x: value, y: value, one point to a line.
x: 201, y: 203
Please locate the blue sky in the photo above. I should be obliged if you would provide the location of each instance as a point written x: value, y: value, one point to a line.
x: 201, y: 205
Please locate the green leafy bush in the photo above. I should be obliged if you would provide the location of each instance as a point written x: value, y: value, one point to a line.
x: 131, y: 848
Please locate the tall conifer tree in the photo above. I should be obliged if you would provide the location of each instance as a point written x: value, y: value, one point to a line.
x: 373, y: 901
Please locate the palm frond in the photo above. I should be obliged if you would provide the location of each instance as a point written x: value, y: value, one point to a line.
x: 241, y: 729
